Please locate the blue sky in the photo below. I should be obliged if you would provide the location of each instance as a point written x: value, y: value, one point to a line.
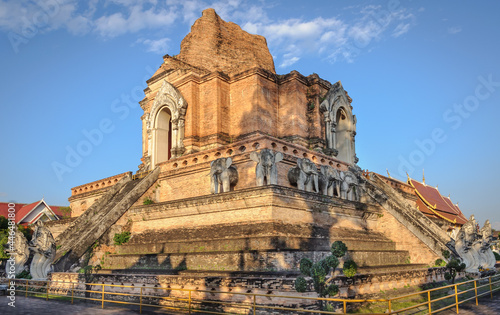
x: 424, y: 78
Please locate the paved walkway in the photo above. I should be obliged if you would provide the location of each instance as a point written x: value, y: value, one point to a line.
x: 38, y: 306
x: 487, y: 306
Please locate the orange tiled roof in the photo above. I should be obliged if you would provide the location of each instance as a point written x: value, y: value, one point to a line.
x: 433, y: 204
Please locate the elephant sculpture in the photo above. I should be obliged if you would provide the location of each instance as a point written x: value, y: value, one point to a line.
x: 44, y: 248
x: 304, y: 175
x: 266, y: 170
x: 349, y: 186
x: 222, y: 173
x: 19, y: 254
x: 329, y: 180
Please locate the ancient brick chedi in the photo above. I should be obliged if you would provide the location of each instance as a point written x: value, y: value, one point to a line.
x: 235, y: 50
x: 245, y: 170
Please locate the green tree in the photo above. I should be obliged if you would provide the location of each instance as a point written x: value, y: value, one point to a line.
x: 4, y: 238
x: 321, y: 272
x: 454, y: 266
x: 497, y: 256
x: 4, y: 223
x: 26, y: 230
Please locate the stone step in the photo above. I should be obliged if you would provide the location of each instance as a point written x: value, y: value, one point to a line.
x: 380, y: 258
x: 350, y: 236
x: 406, y: 213
x: 243, y: 261
x: 261, y: 243
x: 390, y: 268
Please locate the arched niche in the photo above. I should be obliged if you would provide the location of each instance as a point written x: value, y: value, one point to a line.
x: 165, y: 125
x: 162, y: 133
x: 340, y: 124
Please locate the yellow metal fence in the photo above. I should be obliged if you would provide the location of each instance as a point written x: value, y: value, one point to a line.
x: 224, y: 302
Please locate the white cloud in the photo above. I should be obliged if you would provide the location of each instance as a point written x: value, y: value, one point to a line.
x: 401, y: 29
x: 454, y: 29
x: 332, y: 37
x: 158, y: 46
x: 138, y: 19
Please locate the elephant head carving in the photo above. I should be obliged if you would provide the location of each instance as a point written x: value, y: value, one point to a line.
x: 329, y: 180
x: 222, y: 173
x: 304, y: 175
x: 266, y: 170
x: 349, y: 186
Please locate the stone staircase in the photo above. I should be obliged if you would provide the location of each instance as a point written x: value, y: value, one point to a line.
x: 97, y: 219
x: 408, y: 215
x: 260, y: 246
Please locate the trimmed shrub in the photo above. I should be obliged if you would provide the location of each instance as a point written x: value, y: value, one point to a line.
x: 305, y: 266
x: 338, y: 249
x: 350, y: 268
x: 497, y: 256
x: 300, y: 284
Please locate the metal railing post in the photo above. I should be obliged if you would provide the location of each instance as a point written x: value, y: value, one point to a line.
x: 345, y: 306
x: 254, y: 302
x: 102, y: 305
x: 72, y: 291
x: 27, y: 282
x: 491, y: 290
x: 475, y: 291
x: 456, y: 297
x: 140, y: 303
x: 429, y: 300
x: 389, y: 305
x: 48, y: 287
x: 189, y: 301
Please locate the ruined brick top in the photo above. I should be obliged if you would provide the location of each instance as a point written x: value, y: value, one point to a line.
x: 216, y: 45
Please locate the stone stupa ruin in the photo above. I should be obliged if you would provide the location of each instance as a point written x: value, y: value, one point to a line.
x: 244, y: 172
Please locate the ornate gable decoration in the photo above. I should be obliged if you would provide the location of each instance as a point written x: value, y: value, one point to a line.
x: 336, y: 99
x: 168, y: 96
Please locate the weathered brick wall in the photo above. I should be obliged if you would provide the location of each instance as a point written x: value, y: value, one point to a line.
x: 404, y: 239
x: 83, y: 196
x: 276, y: 284
x: 216, y: 45
x: 57, y: 227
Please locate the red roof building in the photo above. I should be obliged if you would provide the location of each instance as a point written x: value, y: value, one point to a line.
x: 27, y: 214
x: 429, y: 200
x: 434, y: 205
